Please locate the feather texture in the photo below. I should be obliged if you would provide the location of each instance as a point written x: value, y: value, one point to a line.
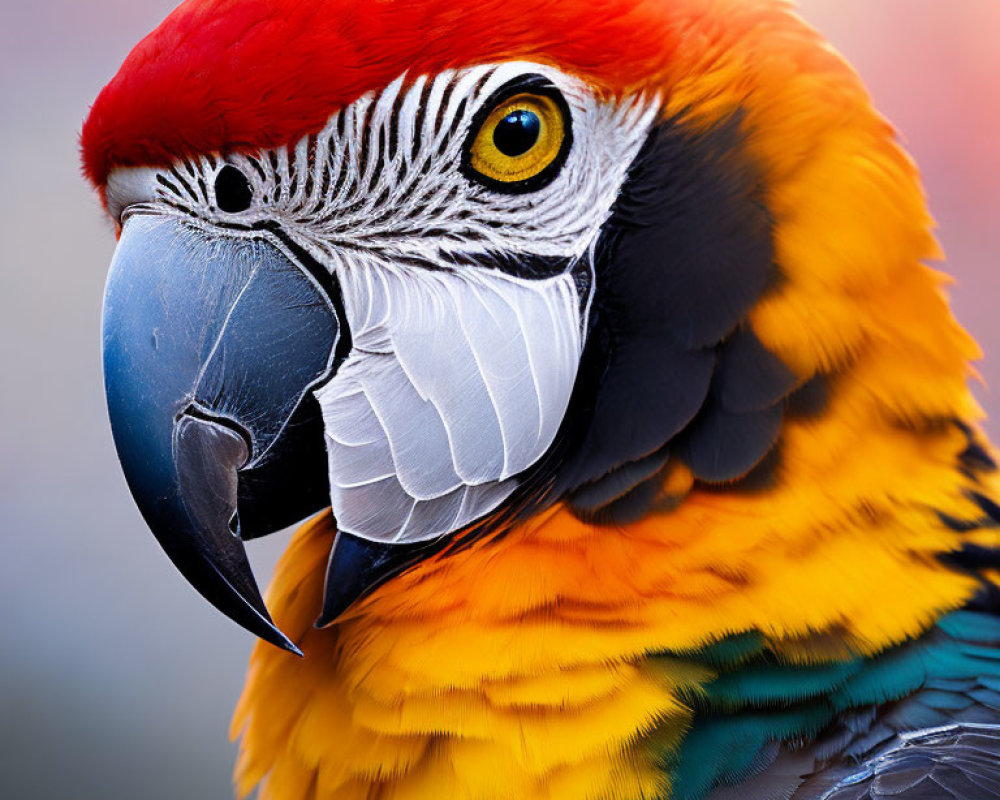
x: 762, y: 300
x: 520, y: 666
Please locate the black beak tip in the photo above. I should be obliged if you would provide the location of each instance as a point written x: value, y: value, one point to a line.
x: 286, y: 644
x: 244, y: 605
x: 275, y: 637
x: 256, y: 620
x: 261, y: 625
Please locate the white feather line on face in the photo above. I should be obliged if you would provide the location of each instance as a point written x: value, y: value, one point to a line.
x: 457, y: 383
x: 386, y: 170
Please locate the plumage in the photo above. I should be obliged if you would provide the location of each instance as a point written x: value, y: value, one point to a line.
x: 653, y: 467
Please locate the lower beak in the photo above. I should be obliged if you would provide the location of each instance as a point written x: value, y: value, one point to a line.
x: 213, y: 344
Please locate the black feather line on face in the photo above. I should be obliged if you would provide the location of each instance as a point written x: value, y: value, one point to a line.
x: 590, y: 499
x: 670, y: 366
x: 686, y: 254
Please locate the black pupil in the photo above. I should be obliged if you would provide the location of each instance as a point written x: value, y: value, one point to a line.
x: 232, y: 190
x: 517, y: 133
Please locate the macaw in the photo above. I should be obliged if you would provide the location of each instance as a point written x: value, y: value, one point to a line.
x: 597, y: 339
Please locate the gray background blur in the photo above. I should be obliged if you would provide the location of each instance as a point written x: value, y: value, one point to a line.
x: 116, y: 679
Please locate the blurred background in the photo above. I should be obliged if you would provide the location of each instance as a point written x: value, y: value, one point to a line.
x: 116, y: 679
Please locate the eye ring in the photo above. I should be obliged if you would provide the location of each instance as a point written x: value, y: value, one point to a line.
x: 520, y: 138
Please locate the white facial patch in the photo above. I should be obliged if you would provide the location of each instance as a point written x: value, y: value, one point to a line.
x: 457, y: 383
x: 467, y: 305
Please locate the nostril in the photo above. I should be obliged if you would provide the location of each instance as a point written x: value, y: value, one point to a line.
x: 233, y: 192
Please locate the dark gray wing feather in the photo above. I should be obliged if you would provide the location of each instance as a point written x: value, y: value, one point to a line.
x: 953, y: 762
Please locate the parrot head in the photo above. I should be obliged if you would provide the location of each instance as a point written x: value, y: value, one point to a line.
x: 438, y: 267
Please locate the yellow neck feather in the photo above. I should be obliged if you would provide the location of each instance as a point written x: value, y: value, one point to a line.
x: 518, y: 668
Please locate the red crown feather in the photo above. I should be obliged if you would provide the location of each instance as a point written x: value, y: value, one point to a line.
x: 225, y: 75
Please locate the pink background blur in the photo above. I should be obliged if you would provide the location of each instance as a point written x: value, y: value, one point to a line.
x: 116, y: 679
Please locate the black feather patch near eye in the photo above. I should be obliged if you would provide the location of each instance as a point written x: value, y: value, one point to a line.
x: 684, y: 257
x: 740, y: 423
x: 671, y: 367
x: 591, y: 498
x: 233, y: 192
x: 724, y: 446
x: 749, y: 377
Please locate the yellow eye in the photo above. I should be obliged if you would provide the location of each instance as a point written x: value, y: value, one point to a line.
x: 519, y: 139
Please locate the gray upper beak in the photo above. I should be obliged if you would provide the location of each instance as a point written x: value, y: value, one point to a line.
x: 212, y: 345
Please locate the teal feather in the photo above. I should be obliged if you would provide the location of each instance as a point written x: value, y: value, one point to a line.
x: 986, y: 697
x: 731, y: 651
x: 724, y: 750
x: 909, y: 667
x: 889, y: 677
x: 777, y: 685
x: 971, y: 626
x: 946, y: 701
x: 756, y: 702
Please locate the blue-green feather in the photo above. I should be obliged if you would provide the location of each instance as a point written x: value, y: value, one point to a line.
x: 723, y: 750
x: 779, y: 685
x: 757, y: 701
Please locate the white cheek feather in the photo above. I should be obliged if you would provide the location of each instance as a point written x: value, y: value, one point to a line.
x: 457, y: 383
